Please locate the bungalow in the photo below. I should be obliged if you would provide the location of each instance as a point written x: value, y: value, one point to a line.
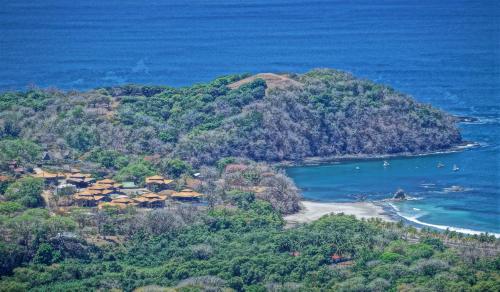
x: 186, y: 194
x: 111, y: 184
x: 337, y: 258
x: 88, y: 198
x: 48, y: 177
x: 151, y: 200
x: 78, y: 179
x: 106, y: 190
x: 98, y: 187
x: 158, y: 183
x: 106, y: 181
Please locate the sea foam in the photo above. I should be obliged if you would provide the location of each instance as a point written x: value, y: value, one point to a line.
x: 414, y: 219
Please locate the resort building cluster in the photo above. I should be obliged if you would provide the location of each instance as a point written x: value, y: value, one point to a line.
x: 83, y: 190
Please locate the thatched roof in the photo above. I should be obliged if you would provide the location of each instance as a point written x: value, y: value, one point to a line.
x: 186, y: 193
x: 126, y: 201
x: 47, y: 175
x: 99, y: 187
x: 157, y: 179
x: 106, y: 181
x: 150, y: 197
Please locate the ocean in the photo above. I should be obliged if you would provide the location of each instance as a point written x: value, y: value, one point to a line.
x: 446, y: 53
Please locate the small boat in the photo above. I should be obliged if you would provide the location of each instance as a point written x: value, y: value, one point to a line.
x: 455, y: 167
x: 386, y: 163
x: 357, y: 167
x: 440, y: 165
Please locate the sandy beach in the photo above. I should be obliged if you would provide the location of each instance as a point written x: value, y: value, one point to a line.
x: 314, y: 210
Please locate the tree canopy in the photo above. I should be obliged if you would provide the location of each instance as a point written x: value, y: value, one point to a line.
x: 26, y: 191
x: 322, y: 113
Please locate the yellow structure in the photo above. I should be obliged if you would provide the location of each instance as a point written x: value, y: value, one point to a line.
x: 151, y: 200
x: 158, y: 182
x: 186, y: 194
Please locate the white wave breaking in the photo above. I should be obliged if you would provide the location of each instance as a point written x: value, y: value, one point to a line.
x: 414, y: 219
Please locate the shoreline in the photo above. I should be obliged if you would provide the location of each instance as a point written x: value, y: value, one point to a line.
x: 312, y: 211
x: 414, y: 221
x: 316, y: 160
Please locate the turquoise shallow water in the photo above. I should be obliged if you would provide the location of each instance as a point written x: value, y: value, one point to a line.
x: 441, y: 196
x: 442, y: 52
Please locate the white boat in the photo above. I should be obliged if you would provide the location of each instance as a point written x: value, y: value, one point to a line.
x: 440, y: 165
x: 357, y: 167
x: 386, y: 163
x: 455, y: 167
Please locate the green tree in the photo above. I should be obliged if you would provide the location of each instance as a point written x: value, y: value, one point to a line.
x: 26, y: 191
x: 10, y: 207
x: 223, y: 162
x: 176, y: 167
x: 10, y: 257
x: 136, y: 171
x: 82, y: 138
x: 109, y: 158
x: 4, y: 184
x: 46, y: 254
x: 23, y: 151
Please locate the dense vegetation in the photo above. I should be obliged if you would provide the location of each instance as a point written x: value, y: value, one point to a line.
x: 238, y: 239
x: 242, y: 247
x: 324, y: 113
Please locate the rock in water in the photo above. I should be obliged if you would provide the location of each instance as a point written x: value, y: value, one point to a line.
x: 400, y: 195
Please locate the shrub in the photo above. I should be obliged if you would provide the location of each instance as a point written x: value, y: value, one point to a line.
x: 23, y: 151
x: 390, y: 257
x: 429, y: 267
x: 26, y: 191
x: 176, y: 167
x: 136, y: 171
x: 46, y: 255
x: 10, y: 207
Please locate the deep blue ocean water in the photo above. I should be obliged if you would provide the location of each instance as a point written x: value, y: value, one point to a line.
x: 446, y: 53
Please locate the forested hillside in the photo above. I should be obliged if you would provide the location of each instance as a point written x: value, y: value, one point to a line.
x: 321, y: 113
x: 238, y: 248
x: 151, y: 188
